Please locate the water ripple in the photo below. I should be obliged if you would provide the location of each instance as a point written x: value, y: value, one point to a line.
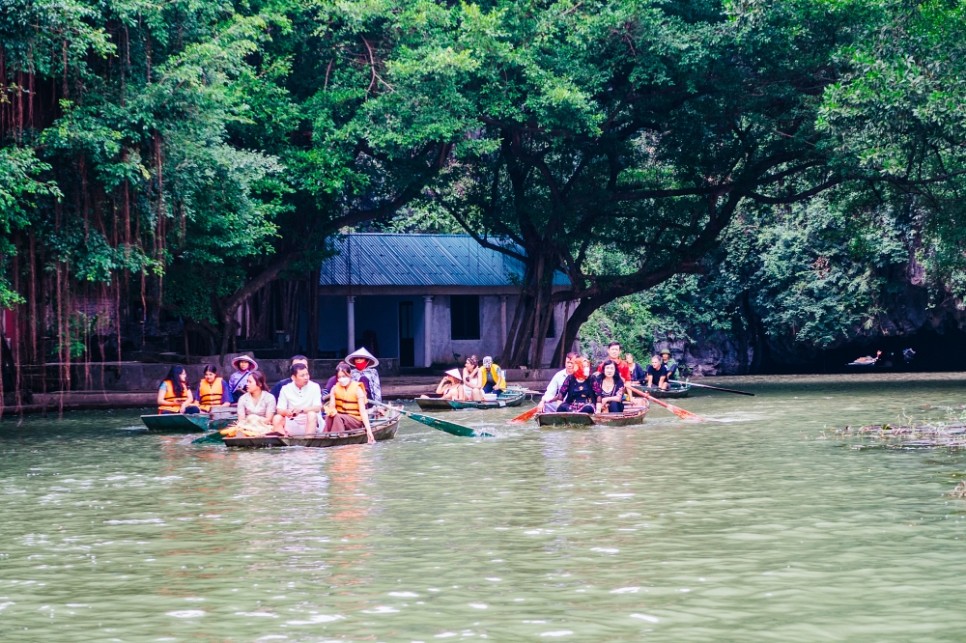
x: 758, y: 526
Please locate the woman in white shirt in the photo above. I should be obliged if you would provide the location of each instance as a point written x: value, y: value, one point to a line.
x: 256, y: 407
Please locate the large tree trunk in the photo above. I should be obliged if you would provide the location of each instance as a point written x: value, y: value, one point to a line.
x: 231, y: 306
x: 534, y: 313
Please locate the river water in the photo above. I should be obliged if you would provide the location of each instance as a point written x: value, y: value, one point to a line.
x: 761, y: 524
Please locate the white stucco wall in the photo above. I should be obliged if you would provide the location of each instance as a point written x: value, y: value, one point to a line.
x: 380, y: 313
x: 491, y: 340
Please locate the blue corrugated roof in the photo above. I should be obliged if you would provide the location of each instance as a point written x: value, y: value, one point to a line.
x: 392, y: 259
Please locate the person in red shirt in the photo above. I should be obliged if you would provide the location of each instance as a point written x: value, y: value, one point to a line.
x: 614, y: 355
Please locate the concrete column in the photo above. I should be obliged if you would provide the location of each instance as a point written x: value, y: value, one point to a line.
x: 503, y: 322
x: 427, y: 330
x: 563, y: 330
x: 350, y: 323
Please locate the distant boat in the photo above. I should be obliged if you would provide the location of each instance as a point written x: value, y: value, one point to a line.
x: 884, y: 361
x: 433, y: 403
x: 507, y: 398
x: 674, y: 390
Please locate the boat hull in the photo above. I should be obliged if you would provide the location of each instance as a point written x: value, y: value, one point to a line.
x: 565, y: 419
x: 216, y: 420
x: 627, y: 418
x: 674, y: 391
x: 433, y: 404
x: 502, y: 401
x: 384, y: 429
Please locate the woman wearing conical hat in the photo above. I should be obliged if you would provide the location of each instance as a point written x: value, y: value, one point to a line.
x: 451, y: 386
x: 364, y: 365
x: 238, y: 381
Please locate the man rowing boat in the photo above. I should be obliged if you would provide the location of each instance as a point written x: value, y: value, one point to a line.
x: 548, y: 403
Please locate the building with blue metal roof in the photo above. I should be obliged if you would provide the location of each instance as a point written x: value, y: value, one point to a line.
x: 424, y: 299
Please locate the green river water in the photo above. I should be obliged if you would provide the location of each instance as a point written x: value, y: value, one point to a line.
x: 762, y: 524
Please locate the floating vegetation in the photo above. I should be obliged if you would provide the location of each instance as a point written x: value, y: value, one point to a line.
x: 912, y: 436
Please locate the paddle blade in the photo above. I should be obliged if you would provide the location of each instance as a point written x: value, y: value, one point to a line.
x: 448, y: 427
x: 676, y: 410
x: 442, y: 425
x: 526, y: 416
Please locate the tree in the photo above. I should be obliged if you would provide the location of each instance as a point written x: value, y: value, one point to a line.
x: 643, y: 129
x: 637, y: 127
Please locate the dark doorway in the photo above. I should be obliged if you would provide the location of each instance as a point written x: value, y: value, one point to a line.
x: 407, y: 341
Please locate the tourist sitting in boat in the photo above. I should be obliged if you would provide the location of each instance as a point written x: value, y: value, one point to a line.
x: 174, y: 394
x: 576, y: 394
x: 614, y: 355
x: 636, y: 370
x: 238, y: 381
x: 669, y: 364
x: 451, y: 386
x: 299, y: 404
x: 656, y: 374
x: 256, y: 407
x: 296, y: 359
x: 364, y: 366
x: 869, y: 359
x: 549, y: 402
x: 609, y: 389
x: 472, y: 388
x: 491, y: 376
x: 346, y: 409
x: 212, y: 390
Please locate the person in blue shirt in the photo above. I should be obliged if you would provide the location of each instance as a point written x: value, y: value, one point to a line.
x: 238, y: 381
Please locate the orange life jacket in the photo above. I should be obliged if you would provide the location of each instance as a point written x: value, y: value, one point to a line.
x: 172, y: 402
x: 210, y: 395
x: 347, y: 399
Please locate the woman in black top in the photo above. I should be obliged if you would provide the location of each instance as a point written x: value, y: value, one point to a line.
x: 577, y: 391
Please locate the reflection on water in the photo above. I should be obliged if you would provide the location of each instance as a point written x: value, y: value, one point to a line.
x: 762, y: 524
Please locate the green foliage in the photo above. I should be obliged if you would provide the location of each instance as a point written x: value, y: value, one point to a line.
x: 22, y: 188
x: 73, y: 343
x: 628, y: 143
x: 676, y: 310
x: 811, y: 276
x: 900, y: 109
x: 21, y: 185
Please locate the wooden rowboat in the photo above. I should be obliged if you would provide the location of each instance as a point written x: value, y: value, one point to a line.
x: 628, y: 417
x: 434, y: 403
x: 503, y: 400
x: 382, y: 429
x: 190, y: 423
x: 673, y: 391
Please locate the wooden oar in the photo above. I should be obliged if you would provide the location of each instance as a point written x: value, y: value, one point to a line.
x: 717, y: 388
x: 521, y: 389
x: 676, y: 410
x: 212, y: 437
x: 526, y: 416
x: 449, y: 427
